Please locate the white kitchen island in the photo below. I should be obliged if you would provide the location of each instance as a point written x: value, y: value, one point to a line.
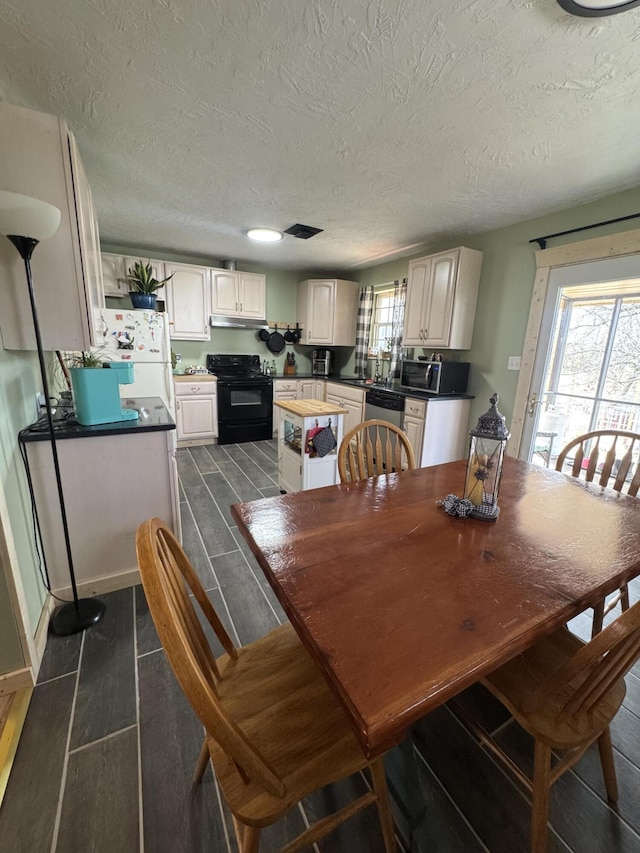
x: 299, y: 467
x: 114, y: 477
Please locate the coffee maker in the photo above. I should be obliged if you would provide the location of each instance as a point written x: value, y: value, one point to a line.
x: 322, y: 362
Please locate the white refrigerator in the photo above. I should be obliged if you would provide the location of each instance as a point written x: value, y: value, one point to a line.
x: 141, y: 337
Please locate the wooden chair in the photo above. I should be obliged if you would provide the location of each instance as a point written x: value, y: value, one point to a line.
x: 374, y: 447
x: 587, y: 447
x: 273, y: 730
x: 565, y: 693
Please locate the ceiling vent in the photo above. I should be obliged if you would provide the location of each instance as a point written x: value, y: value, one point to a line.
x: 303, y: 231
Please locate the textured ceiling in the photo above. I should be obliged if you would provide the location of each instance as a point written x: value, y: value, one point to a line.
x: 391, y: 125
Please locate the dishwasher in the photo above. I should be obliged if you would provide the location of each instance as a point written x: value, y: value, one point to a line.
x: 384, y: 405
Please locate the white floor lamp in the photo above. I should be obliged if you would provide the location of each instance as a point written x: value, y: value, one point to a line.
x: 25, y: 221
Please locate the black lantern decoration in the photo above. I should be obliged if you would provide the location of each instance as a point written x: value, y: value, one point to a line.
x: 484, y: 468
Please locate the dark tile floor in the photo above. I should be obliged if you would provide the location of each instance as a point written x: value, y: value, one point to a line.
x: 109, y: 746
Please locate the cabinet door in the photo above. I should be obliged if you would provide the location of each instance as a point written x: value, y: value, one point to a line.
x: 417, y: 285
x: 321, y: 305
x: 414, y: 429
x: 224, y: 293
x: 307, y: 389
x: 252, y: 295
x: 438, y: 307
x: 352, y: 413
x: 113, y: 275
x: 188, y: 302
x: 93, y: 291
x: 277, y: 411
x: 196, y: 417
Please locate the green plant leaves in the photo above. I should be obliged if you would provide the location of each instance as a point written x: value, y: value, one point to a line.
x: 140, y: 277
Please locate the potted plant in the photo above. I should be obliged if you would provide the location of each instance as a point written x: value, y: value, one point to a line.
x: 144, y: 285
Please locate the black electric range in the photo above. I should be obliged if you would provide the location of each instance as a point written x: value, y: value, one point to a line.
x: 245, y: 398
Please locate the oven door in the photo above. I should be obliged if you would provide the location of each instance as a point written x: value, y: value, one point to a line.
x: 245, y: 411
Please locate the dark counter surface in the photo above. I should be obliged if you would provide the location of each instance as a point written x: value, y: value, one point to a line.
x: 153, y: 417
x: 394, y: 387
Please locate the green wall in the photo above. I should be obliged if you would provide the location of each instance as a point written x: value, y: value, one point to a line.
x: 506, y: 284
x: 19, y: 383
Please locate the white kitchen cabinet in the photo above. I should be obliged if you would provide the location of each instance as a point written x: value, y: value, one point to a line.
x: 196, y: 410
x: 238, y: 294
x: 413, y: 425
x: 437, y: 430
x: 188, y: 301
x: 113, y: 275
x: 40, y: 159
x: 310, y: 389
x: 327, y: 311
x: 283, y: 389
x: 348, y: 398
x: 112, y: 483
x: 442, y: 292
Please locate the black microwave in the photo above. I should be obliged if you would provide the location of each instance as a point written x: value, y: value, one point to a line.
x: 436, y: 377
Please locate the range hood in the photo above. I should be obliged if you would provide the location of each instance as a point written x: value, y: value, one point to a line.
x: 224, y: 322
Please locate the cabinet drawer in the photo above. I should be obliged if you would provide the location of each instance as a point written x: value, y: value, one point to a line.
x: 285, y: 385
x: 345, y: 392
x: 415, y: 408
x: 196, y: 388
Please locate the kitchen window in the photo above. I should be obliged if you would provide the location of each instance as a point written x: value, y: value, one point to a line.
x: 381, y: 321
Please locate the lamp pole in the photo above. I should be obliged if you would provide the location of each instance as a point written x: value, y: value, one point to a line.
x: 72, y: 616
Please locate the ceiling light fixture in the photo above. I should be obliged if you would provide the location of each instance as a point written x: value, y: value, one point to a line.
x: 597, y: 8
x: 268, y: 235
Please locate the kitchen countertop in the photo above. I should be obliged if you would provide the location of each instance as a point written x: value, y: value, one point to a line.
x: 154, y: 417
x: 367, y: 385
x: 194, y: 377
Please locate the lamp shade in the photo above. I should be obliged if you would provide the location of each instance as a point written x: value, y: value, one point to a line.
x: 24, y: 216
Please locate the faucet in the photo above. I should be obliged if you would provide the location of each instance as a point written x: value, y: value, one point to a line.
x: 377, y: 377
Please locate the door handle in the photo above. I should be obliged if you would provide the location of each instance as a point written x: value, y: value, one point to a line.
x: 533, y: 402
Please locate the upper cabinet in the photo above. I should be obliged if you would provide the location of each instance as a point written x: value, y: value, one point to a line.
x: 442, y: 292
x: 327, y: 311
x: 188, y: 301
x: 238, y: 294
x: 40, y: 159
x: 113, y: 275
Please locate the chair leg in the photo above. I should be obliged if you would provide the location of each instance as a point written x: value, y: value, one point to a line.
x: 624, y: 597
x: 250, y: 839
x: 608, y: 765
x: 598, y: 617
x: 540, y: 799
x: 201, y: 765
x: 384, y: 807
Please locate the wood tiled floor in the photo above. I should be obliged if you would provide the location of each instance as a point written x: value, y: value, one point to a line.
x: 109, y: 745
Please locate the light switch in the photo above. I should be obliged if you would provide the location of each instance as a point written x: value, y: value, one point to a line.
x: 513, y: 362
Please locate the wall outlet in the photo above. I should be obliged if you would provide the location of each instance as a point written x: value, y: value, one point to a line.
x: 40, y: 401
x: 513, y: 362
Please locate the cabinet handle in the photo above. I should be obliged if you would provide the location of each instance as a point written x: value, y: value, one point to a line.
x: 236, y: 306
x: 420, y: 334
x: 241, y: 307
x: 177, y: 404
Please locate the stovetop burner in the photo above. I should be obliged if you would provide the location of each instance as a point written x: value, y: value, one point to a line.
x: 236, y: 368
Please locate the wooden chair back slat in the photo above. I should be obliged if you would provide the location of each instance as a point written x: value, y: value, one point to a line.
x: 372, y: 448
x: 591, y: 673
x: 161, y: 561
x: 589, y: 443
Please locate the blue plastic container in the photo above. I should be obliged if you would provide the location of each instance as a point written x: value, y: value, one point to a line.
x: 96, y: 393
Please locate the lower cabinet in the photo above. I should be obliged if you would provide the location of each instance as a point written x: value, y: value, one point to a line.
x: 348, y: 398
x: 283, y: 389
x: 196, y: 411
x: 438, y: 430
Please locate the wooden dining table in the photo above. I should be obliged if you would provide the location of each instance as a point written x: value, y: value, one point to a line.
x: 403, y: 606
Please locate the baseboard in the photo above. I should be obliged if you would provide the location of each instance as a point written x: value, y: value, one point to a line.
x: 196, y: 442
x: 98, y: 586
x: 19, y: 679
x: 10, y: 735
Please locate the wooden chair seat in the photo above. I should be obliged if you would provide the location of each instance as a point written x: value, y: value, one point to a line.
x: 564, y: 693
x: 372, y: 448
x: 273, y: 730
x: 273, y: 693
x: 617, y: 471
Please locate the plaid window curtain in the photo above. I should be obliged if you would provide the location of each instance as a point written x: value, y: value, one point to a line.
x: 363, y: 330
x: 397, y: 325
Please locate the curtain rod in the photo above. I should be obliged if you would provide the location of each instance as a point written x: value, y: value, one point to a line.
x: 542, y: 241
